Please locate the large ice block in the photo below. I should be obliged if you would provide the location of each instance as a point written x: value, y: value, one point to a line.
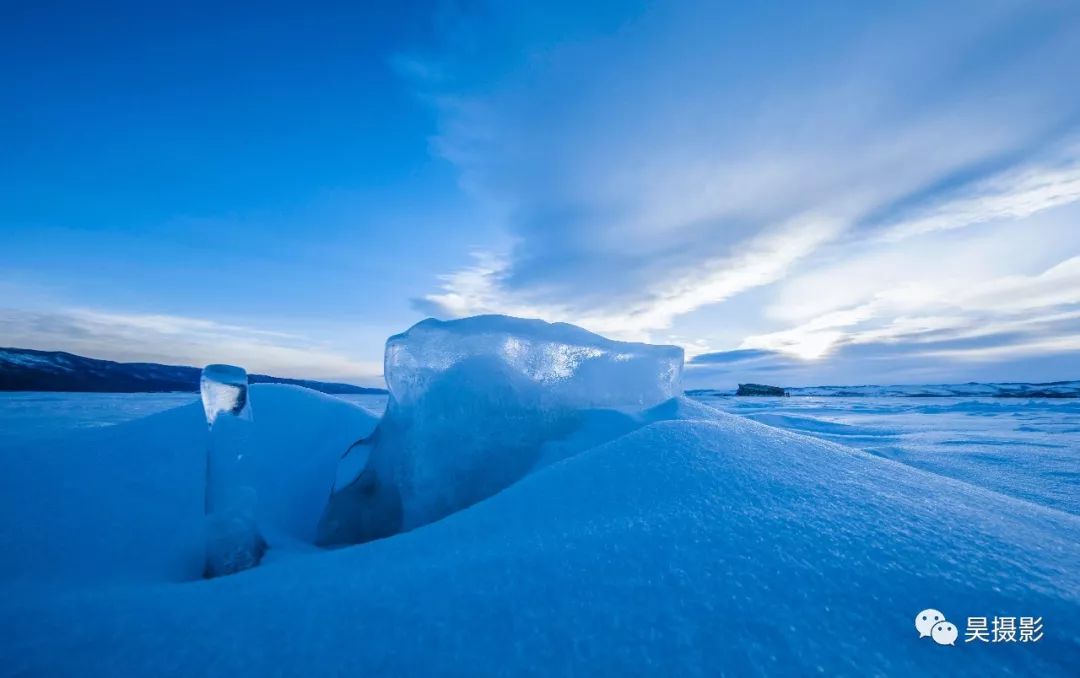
x: 473, y: 402
x: 573, y: 366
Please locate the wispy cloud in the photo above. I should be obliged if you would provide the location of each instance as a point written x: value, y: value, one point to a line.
x: 1014, y: 194
x: 170, y: 339
x: 763, y: 259
x: 1045, y: 349
x: 968, y: 326
x: 654, y: 166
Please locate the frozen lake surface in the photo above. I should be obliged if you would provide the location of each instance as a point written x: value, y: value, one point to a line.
x: 1025, y: 448
x: 30, y: 416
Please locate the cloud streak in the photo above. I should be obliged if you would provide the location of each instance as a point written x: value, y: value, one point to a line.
x: 1015, y: 194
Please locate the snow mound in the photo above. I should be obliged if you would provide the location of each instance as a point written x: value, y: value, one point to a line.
x: 699, y: 545
x: 473, y: 403
x: 126, y: 502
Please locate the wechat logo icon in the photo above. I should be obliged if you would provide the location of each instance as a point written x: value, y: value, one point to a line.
x: 932, y: 623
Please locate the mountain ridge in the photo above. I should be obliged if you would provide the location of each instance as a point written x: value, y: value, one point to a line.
x: 26, y: 369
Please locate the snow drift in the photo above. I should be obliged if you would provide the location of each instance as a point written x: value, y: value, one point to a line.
x: 697, y: 544
x: 127, y: 501
x: 654, y: 535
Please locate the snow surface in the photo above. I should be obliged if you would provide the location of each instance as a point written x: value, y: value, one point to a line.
x: 696, y: 544
x: 584, y: 532
x: 29, y: 417
x: 1026, y: 448
x: 127, y: 501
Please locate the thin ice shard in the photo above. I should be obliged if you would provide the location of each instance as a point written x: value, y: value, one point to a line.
x: 233, y: 540
x: 224, y: 390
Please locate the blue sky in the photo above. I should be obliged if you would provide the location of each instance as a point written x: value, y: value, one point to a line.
x: 797, y: 193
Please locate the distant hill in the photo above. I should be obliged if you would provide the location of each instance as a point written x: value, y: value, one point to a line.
x: 1054, y: 389
x: 23, y: 369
